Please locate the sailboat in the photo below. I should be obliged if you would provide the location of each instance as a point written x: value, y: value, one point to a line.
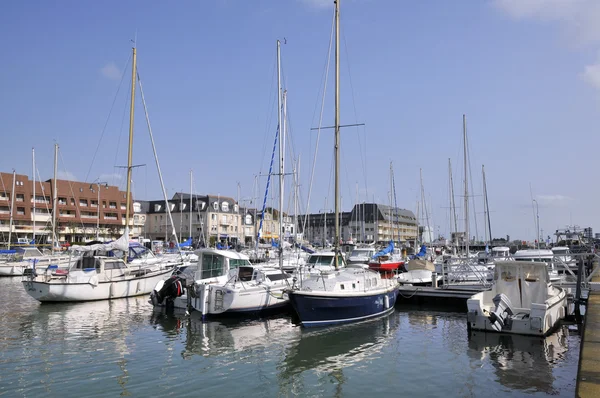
x: 346, y: 294
x: 98, y: 274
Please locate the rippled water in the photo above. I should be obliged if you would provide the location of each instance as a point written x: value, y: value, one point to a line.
x: 122, y: 347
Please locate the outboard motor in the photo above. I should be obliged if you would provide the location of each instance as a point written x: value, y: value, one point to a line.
x: 171, y: 289
x: 500, y: 318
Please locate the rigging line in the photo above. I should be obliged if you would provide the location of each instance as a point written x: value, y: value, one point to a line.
x: 49, y: 220
x: 5, y: 195
x: 269, y: 119
x: 107, y: 119
x: 472, y: 190
x: 77, y: 206
x: 121, y: 129
x: 362, y: 157
x: 168, y: 207
x: 312, y: 173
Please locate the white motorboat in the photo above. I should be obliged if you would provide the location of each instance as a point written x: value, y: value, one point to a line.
x: 522, y: 301
x: 542, y: 256
x: 419, y: 273
x: 94, y: 276
x: 500, y: 253
x: 24, y: 258
x: 361, y: 255
x: 563, y: 257
x: 225, y: 282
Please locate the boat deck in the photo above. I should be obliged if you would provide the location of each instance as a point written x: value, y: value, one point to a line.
x: 450, y: 296
x: 588, y: 376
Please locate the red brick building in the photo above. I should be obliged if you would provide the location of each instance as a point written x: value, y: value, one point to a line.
x: 77, y: 209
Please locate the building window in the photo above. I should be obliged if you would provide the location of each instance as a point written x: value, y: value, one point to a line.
x: 123, y: 206
x: 224, y: 219
x: 225, y: 206
x: 20, y: 197
x: 83, y: 202
x: 216, y: 205
x: 72, y: 201
x: 20, y: 211
x: 94, y: 203
x: 213, y: 217
x: 236, y: 208
x: 113, y: 205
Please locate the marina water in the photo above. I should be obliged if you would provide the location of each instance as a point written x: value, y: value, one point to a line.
x: 123, y: 348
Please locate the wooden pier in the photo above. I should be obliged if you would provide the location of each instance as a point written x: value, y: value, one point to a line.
x: 450, y: 296
x: 588, y: 375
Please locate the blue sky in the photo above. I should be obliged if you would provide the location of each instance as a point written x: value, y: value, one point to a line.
x: 526, y: 74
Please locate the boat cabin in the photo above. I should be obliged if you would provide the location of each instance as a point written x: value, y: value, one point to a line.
x: 323, y: 260
x: 522, y: 282
x: 213, y: 263
x: 501, y: 253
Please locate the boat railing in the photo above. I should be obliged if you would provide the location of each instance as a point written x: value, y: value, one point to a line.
x: 464, y: 273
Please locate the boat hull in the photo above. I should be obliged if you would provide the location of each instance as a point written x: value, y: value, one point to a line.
x: 59, y: 290
x: 386, y: 266
x: 213, y: 300
x: 320, y: 309
x: 12, y: 270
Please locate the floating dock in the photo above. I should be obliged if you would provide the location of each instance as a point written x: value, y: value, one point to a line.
x: 450, y: 295
x: 588, y: 376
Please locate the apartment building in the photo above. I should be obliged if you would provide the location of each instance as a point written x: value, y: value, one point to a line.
x: 84, y: 211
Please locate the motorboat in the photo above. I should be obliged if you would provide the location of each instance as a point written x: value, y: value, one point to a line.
x: 95, y: 275
x: 500, y: 253
x: 564, y: 258
x: 539, y: 255
x: 419, y: 272
x: 522, y: 300
x: 225, y: 282
x: 22, y: 258
x: 360, y: 255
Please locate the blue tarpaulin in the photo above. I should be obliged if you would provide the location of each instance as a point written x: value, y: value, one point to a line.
x: 8, y: 251
x: 387, y: 250
x: 187, y: 243
x: 421, y: 253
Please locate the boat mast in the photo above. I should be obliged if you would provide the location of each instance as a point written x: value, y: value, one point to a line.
x: 54, y: 199
x: 281, y: 132
x: 33, y: 171
x: 191, y: 196
x: 429, y: 232
x: 130, y: 152
x: 12, y: 207
x: 467, y: 241
x: 337, y: 131
x: 452, y: 204
x: 487, y: 206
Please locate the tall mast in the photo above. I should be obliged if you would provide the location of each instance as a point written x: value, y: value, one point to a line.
x: 337, y: 131
x: 281, y: 135
x: 12, y: 208
x: 467, y: 241
x: 452, y: 203
x: 487, y: 206
x: 429, y: 232
x: 130, y: 152
x: 33, y: 172
x: 191, y: 196
x: 54, y: 199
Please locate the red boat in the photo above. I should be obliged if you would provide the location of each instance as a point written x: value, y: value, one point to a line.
x: 386, y: 264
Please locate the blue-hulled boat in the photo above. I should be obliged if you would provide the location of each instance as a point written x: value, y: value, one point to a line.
x: 343, y: 296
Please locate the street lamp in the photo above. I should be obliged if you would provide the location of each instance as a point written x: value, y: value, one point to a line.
x: 98, y: 183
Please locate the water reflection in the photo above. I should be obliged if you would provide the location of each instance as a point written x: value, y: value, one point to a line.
x: 521, y: 362
x: 71, y: 337
x: 220, y: 337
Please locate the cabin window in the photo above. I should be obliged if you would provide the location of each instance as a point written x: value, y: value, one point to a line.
x: 236, y: 263
x: 212, y: 265
x: 277, y: 277
x: 112, y: 265
x: 245, y: 274
x: 374, y: 281
x: 342, y: 286
x: 353, y: 286
x: 368, y: 283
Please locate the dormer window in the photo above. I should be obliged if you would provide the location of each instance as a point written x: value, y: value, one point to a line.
x: 225, y: 206
x: 236, y: 208
x: 216, y: 205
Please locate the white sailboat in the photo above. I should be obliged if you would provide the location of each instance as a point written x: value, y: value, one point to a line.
x: 345, y: 294
x: 97, y: 275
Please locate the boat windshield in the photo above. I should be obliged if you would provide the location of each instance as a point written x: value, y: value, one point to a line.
x: 362, y: 253
x: 320, y: 260
x: 560, y: 251
x: 236, y: 263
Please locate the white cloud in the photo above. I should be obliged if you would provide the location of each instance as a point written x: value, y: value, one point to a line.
x: 577, y: 19
x: 111, y: 71
x: 66, y: 175
x: 553, y: 200
x: 591, y: 74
